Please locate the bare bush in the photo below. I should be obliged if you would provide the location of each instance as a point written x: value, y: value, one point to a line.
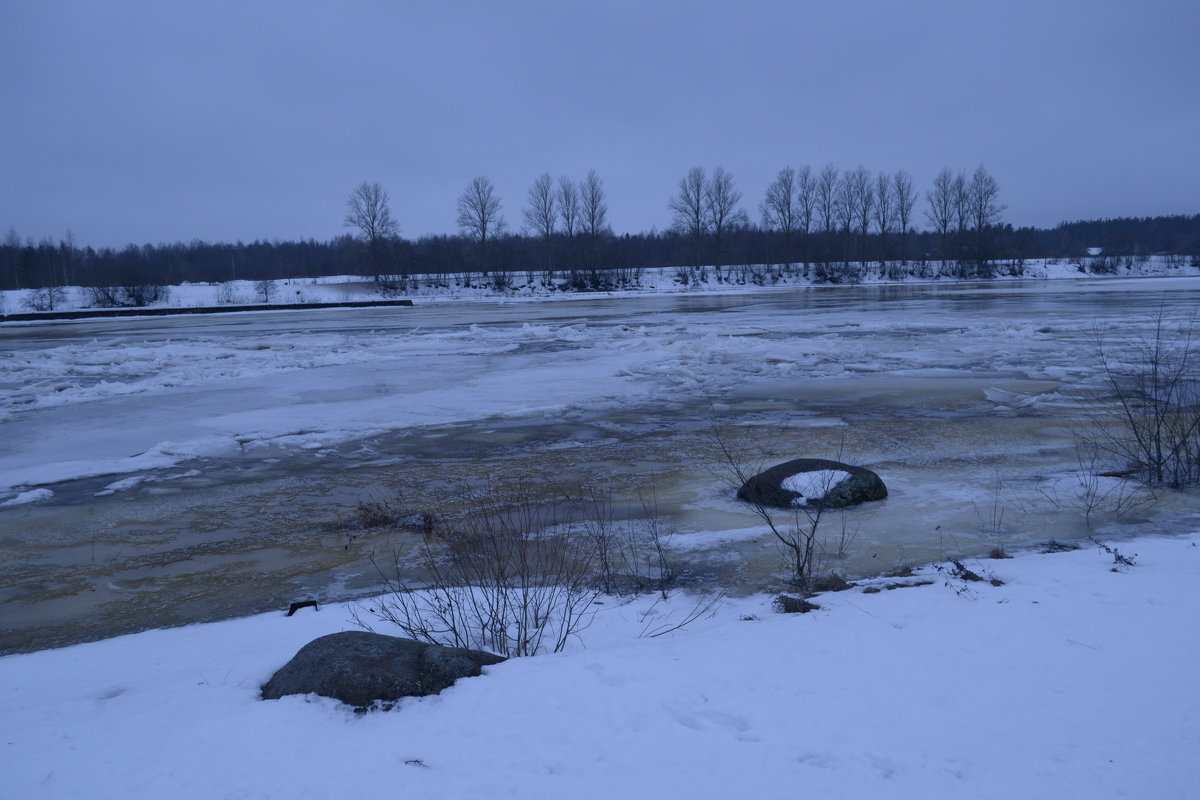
x: 227, y: 295
x: 1091, y: 490
x: 805, y: 544
x: 131, y: 294
x: 138, y: 294
x: 266, y: 290
x: 513, y: 579
x: 47, y: 298
x: 105, y: 296
x: 1153, y: 426
x: 374, y: 513
x: 629, y: 556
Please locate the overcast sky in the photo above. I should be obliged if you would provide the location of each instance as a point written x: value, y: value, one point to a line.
x: 162, y: 121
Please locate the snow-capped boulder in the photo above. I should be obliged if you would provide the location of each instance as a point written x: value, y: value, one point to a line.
x: 813, y: 482
x: 359, y: 668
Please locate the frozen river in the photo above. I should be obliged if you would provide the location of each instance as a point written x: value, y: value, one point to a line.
x: 167, y: 470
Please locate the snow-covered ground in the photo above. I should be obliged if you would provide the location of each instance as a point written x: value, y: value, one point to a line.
x: 1070, y: 680
x: 536, y: 285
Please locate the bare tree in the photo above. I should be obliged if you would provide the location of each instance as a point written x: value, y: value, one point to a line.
x: 884, y: 211
x: 961, y: 195
x: 806, y: 198
x: 984, y: 209
x: 479, y: 214
x: 12, y: 261
x: 688, y: 205
x: 66, y: 259
x: 906, y: 198
x: 568, y: 205
x: 266, y: 289
x: 854, y: 200
x: 370, y: 214
x: 541, y: 215
x: 779, y: 209
x: 864, y: 201
x: 593, y: 214
x: 594, y: 207
x: 827, y: 198
x: 940, y: 211
x: 720, y: 206
x: 779, y: 206
x: 687, y: 208
x: 983, y: 214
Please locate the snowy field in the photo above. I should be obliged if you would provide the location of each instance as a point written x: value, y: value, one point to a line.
x: 1070, y: 680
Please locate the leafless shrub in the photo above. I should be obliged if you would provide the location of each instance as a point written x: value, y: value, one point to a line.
x: 266, y: 290
x: 132, y: 294
x: 104, y: 296
x: 374, y: 513
x: 512, y: 578
x: 1099, y: 491
x: 228, y: 296
x: 1153, y: 428
x: 630, y: 556
x: 801, y: 538
x: 139, y: 294
x: 47, y: 298
x: 991, y: 518
x: 839, y: 543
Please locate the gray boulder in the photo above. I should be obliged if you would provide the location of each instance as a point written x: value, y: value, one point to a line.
x: 359, y: 668
x: 766, y: 488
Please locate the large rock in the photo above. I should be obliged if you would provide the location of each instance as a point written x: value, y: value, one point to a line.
x: 359, y: 668
x: 813, y: 482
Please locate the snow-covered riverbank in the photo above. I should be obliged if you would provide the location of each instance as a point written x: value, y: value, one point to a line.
x: 1070, y: 680
x: 583, y: 284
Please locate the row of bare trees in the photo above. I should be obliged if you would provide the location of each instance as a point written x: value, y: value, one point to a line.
x: 565, y: 208
x: 801, y: 202
x: 706, y: 206
x: 964, y: 211
x: 845, y: 207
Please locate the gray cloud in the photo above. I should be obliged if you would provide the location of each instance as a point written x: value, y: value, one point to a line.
x: 151, y: 121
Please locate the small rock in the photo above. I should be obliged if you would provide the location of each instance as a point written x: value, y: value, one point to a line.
x: 787, y: 604
x: 360, y: 668
x: 767, y: 488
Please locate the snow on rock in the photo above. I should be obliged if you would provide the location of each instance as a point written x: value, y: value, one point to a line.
x: 804, y: 481
x: 813, y: 485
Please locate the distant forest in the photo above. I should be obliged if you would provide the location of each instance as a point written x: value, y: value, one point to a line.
x: 25, y: 264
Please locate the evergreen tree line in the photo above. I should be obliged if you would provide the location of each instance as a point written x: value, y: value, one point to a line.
x: 820, y: 218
